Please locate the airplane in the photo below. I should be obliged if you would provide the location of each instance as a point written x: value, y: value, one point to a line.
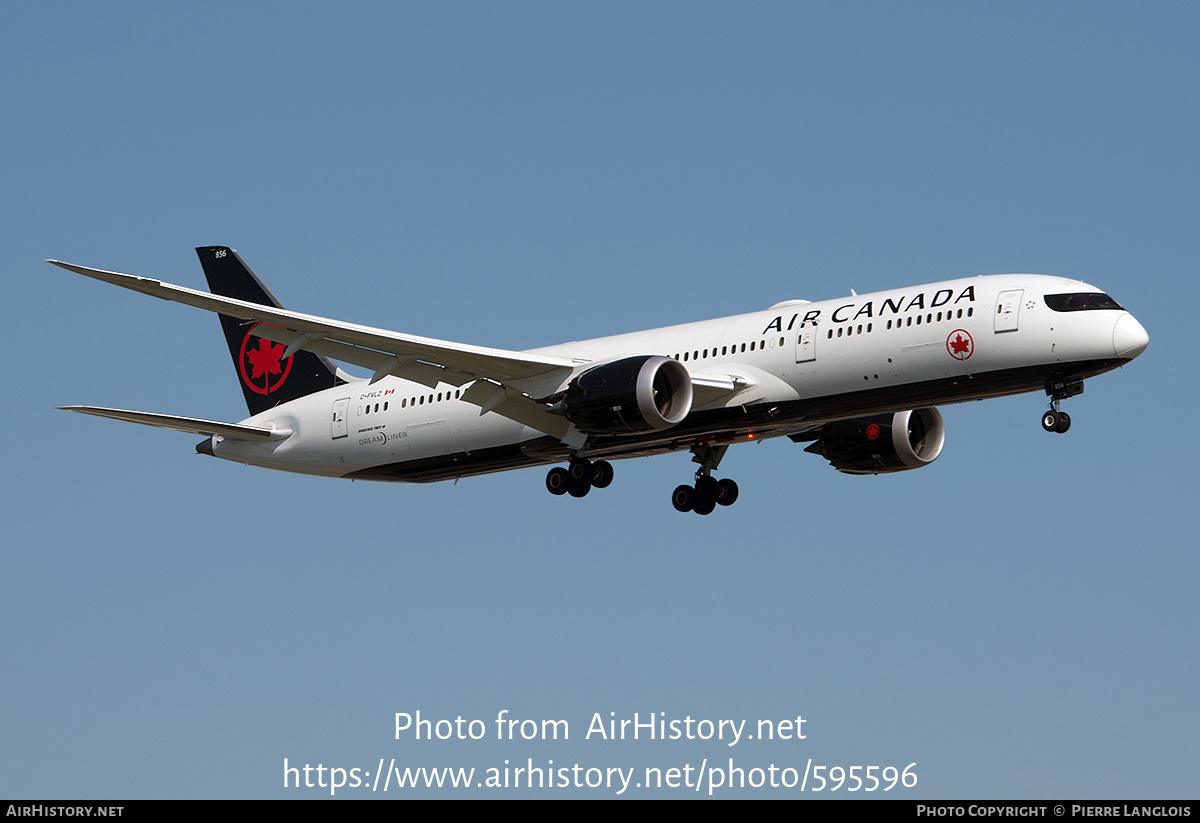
x: 858, y: 378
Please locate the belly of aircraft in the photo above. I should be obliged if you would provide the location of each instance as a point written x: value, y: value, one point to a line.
x: 736, y: 423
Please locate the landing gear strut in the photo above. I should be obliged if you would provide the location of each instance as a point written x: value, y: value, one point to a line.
x: 579, y: 477
x: 708, y: 492
x: 1059, y: 390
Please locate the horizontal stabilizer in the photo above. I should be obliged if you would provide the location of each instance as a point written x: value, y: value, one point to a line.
x: 192, y: 425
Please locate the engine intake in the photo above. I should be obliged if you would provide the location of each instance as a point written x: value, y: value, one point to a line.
x: 884, y: 443
x: 636, y: 394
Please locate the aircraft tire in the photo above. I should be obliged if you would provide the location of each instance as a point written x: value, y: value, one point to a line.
x: 705, y: 506
x: 683, y: 498
x: 707, y: 488
x: 727, y: 492
x: 580, y: 490
x: 580, y: 469
x: 1064, y: 423
x: 557, y: 480
x: 1051, y: 421
x: 602, y: 474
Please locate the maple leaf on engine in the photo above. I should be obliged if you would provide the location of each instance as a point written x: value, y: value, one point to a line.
x: 265, y: 359
x: 958, y: 345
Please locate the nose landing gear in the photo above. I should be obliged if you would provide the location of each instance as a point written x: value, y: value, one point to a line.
x: 1059, y: 390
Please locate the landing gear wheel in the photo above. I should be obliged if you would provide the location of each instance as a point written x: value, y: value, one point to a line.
x: 705, y: 506
x: 1051, y: 421
x: 1064, y: 423
x: 602, y: 474
x: 707, y: 489
x: 683, y: 498
x: 558, y: 480
x: 580, y: 470
x: 580, y: 490
x: 727, y: 492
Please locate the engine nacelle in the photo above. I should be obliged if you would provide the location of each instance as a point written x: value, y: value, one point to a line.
x: 637, y: 394
x: 884, y: 443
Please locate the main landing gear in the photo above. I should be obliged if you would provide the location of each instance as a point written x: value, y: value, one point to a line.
x: 708, y: 492
x: 705, y: 495
x: 580, y: 475
x: 1059, y: 390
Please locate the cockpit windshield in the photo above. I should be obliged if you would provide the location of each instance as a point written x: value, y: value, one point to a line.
x: 1082, y: 301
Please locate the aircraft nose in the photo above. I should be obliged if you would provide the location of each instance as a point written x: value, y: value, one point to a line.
x: 1129, y: 338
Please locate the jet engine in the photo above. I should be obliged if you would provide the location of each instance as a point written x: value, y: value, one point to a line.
x: 884, y: 443
x: 636, y: 394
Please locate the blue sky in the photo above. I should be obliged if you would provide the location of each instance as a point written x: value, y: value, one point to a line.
x: 1018, y: 619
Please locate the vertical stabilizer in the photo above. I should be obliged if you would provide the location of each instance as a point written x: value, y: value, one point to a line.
x: 267, y: 379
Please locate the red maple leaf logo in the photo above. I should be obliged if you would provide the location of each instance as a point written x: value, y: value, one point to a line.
x: 263, y: 364
x: 959, y: 344
x: 265, y: 359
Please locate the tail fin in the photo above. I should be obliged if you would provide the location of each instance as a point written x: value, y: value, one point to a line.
x: 266, y: 380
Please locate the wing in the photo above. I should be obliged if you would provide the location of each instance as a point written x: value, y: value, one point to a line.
x: 420, y: 359
x: 513, y: 384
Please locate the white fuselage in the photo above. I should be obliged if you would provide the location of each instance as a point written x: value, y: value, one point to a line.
x: 794, y: 367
